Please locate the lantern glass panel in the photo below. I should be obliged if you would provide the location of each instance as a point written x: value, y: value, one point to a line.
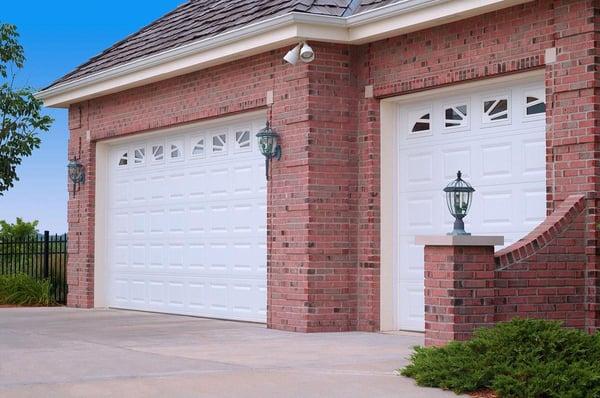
x: 267, y: 143
x: 75, y: 171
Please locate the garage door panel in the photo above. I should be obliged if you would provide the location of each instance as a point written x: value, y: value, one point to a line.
x: 533, y: 157
x: 176, y: 220
x: 197, y: 220
x: 157, y: 293
x: 186, y: 229
x: 455, y: 157
x: 500, y: 152
x: 197, y: 184
x: 411, y: 256
x: 410, y: 308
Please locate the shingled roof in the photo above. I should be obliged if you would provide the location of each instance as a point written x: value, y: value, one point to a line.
x: 201, y: 19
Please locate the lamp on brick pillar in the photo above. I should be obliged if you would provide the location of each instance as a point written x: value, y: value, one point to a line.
x: 459, y: 195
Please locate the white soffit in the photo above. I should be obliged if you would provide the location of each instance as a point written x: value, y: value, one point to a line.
x: 388, y: 21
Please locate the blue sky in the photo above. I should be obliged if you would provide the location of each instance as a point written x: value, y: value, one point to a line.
x: 57, y: 36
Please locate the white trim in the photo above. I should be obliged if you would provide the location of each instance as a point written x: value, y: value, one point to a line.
x: 401, y: 17
x: 101, y: 182
x: 387, y: 313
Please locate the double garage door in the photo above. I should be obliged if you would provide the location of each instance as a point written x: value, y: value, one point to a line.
x: 494, y: 134
x: 186, y: 223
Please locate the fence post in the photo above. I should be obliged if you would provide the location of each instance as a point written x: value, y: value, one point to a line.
x: 46, y: 253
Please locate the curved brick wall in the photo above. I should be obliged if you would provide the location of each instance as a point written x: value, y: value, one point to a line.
x: 543, y: 274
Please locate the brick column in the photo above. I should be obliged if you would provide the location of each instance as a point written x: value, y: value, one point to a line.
x: 573, y: 134
x: 459, y: 285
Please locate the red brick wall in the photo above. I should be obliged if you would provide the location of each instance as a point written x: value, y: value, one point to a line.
x: 313, y: 208
x: 368, y: 196
x: 507, y: 41
x: 312, y: 205
x: 324, y: 210
x: 219, y: 91
x: 540, y: 276
x: 543, y: 275
x: 459, y: 291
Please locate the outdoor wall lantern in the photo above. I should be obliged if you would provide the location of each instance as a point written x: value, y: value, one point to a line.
x: 76, y: 174
x: 458, y: 198
x: 267, y: 143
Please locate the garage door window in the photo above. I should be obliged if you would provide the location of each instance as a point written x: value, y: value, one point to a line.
x: 158, y: 153
x: 455, y: 116
x: 421, y: 122
x: 176, y: 152
x: 242, y: 139
x: 219, y: 143
x: 198, y: 149
x: 495, y: 110
x: 123, y: 160
x: 139, y: 156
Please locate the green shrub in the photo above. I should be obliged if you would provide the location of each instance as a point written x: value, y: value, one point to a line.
x: 521, y: 358
x: 22, y: 289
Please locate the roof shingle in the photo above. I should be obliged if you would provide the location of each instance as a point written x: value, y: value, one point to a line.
x: 199, y: 19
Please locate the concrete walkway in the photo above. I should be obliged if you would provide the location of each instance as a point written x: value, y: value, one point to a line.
x: 63, y: 352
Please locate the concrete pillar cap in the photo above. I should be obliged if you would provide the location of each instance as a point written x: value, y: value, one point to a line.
x: 459, y: 240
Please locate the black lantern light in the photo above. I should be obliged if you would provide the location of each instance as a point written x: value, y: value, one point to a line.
x: 76, y: 173
x: 458, y: 198
x: 267, y: 143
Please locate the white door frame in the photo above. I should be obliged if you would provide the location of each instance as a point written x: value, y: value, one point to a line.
x: 101, y: 187
x: 388, y: 184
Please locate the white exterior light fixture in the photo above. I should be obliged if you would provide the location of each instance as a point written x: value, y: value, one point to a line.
x: 302, y: 52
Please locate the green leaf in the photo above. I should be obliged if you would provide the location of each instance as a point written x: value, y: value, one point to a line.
x: 21, y: 116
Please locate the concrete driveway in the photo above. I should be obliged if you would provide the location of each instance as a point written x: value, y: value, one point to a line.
x: 61, y: 352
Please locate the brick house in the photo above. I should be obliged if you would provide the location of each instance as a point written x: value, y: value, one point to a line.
x: 176, y: 214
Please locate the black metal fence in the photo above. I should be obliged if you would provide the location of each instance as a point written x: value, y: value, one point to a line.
x: 41, y: 257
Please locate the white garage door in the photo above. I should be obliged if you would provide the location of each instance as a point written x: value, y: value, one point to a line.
x: 495, y: 135
x: 186, y: 216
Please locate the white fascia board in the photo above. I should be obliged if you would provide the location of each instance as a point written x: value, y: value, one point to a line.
x: 250, y: 40
x: 409, y: 16
x: 273, y: 33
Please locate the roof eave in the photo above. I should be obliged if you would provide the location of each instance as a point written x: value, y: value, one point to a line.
x: 269, y: 34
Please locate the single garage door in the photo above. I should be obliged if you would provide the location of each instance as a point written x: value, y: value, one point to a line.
x: 494, y: 134
x: 186, y: 223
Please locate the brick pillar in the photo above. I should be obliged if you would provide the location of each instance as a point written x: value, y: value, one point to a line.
x: 80, y: 213
x: 573, y: 134
x: 312, y: 276
x: 459, y: 286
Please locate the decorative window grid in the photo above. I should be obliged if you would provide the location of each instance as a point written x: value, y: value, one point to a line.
x: 495, y: 109
x: 139, y: 156
x: 243, y: 140
x: 535, y: 104
x: 219, y: 143
x: 420, y: 122
x: 456, y: 116
x: 175, y: 150
x: 158, y: 152
x: 123, y: 159
x: 198, y: 145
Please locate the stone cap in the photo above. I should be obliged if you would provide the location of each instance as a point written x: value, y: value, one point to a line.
x: 459, y: 240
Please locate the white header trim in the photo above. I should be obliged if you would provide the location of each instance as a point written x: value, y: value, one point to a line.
x: 394, y: 19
